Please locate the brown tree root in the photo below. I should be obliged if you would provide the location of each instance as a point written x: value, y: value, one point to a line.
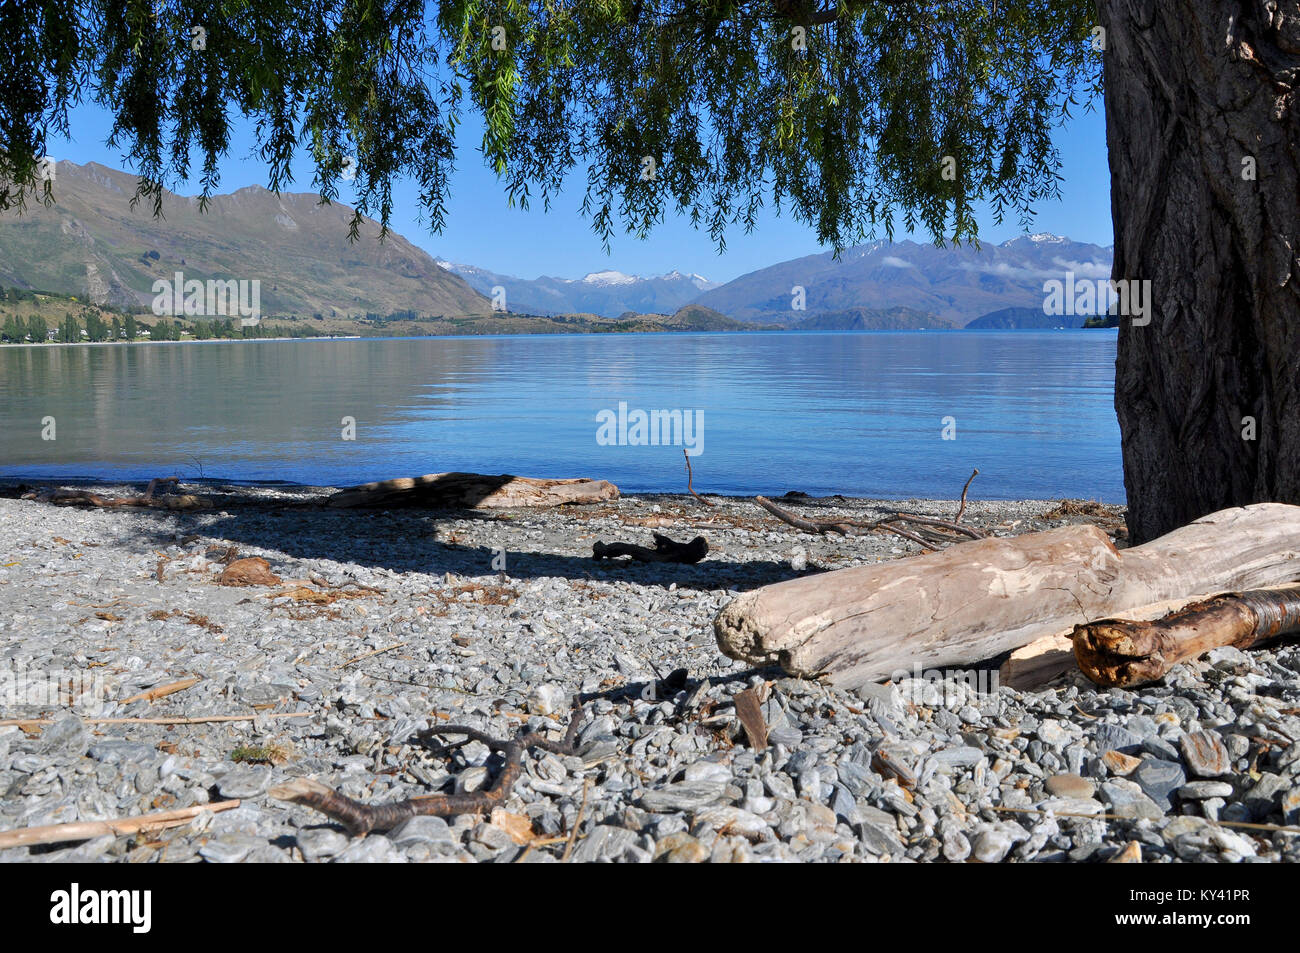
x: 1118, y: 652
x: 361, y: 818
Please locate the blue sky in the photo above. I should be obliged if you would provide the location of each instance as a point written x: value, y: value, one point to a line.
x: 483, y: 230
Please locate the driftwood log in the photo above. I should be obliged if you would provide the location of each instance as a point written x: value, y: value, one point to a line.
x: 176, y: 501
x: 976, y: 600
x: 1124, y: 652
x: 665, y: 551
x: 474, y: 490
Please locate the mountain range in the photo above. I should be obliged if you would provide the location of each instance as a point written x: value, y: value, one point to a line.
x: 605, y: 293
x: 93, y: 244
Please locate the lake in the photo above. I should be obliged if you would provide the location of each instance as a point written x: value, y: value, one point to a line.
x: 881, y: 414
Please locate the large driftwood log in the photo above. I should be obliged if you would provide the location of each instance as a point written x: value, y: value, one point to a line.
x: 976, y: 600
x: 474, y: 490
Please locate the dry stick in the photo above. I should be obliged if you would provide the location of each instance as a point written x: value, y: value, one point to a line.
x: 84, y: 830
x: 962, y: 508
x: 361, y: 818
x: 842, y: 527
x: 1115, y: 652
x: 939, y: 523
x: 201, y: 720
x: 161, y: 691
x: 577, y: 821
x: 690, y: 477
x: 367, y: 655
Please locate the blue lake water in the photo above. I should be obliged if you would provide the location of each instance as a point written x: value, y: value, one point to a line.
x: 856, y: 413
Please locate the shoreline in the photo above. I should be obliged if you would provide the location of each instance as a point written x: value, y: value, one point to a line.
x: 384, y: 623
x: 560, y: 332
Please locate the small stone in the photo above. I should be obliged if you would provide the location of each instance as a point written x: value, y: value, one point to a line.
x: 707, y: 771
x: 1205, y: 754
x: 372, y: 849
x: 1052, y: 733
x: 798, y: 559
x: 1071, y: 805
x: 1116, y: 738
x: 1069, y: 785
x: 878, y: 839
x: 956, y: 847
x: 992, y: 844
x: 1131, y: 854
x: 1204, y: 790
x: 472, y: 779
x: 1159, y: 779
x: 228, y: 848
x: 321, y: 843
x: 547, y: 699
x: 1119, y: 763
x: 690, y: 851
x: 421, y: 829
x: 244, y: 781
x: 113, y: 751
x: 733, y: 820
x: 950, y: 759
x: 683, y: 796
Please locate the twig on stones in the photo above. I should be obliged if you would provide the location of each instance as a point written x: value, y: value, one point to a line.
x: 577, y: 821
x: 690, y: 477
x: 361, y: 818
x: 366, y: 655
x: 161, y: 691
x: 84, y: 830
x: 962, y: 508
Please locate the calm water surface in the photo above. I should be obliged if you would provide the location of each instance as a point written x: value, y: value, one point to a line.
x: 854, y: 413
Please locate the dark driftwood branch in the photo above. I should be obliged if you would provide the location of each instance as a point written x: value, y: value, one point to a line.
x: 1120, y: 652
x: 690, y: 479
x: 665, y: 551
x: 361, y: 818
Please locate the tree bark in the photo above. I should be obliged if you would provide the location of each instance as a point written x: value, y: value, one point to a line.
x: 1195, y: 92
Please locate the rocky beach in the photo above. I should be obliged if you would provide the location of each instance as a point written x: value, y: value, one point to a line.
x: 366, y: 629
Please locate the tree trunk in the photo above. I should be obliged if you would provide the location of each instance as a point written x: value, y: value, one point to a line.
x: 1199, y: 94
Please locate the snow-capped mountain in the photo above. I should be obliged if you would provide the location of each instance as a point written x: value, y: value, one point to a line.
x: 606, y: 293
x: 954, y: 284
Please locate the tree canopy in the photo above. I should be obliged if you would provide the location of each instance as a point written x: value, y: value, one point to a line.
x: 853, y: 117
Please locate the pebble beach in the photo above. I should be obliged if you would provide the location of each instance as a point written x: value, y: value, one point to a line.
x: 381, y: 625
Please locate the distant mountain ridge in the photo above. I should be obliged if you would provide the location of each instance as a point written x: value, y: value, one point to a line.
x: 955, y: 285
x: 604, y: 293
x: 91, y: 243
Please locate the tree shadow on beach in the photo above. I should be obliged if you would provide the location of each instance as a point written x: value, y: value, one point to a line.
x: 412, y: 540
